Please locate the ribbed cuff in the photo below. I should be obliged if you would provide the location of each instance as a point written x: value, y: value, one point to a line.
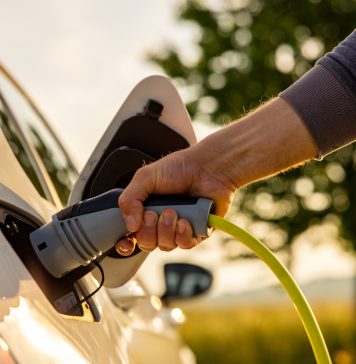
x: 326, y: 107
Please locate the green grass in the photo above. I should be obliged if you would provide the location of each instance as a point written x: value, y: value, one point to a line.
x: 267, y: 335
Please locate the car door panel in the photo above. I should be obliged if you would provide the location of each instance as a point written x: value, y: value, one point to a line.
x: 37, y: 333
x: 14, y: 181
x: 30, y: 322
x: 34, y: 330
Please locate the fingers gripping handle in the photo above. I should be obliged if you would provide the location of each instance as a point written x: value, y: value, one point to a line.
x: 80, y: 233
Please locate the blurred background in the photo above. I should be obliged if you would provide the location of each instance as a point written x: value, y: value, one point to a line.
x: 80, y: 59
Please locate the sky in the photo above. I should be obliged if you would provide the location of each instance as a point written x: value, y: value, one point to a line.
x: 80, y: 59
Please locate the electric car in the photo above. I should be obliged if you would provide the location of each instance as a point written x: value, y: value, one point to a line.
x: 44, y: 319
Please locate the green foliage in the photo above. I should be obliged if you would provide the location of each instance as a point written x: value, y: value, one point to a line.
x: 266, y: 335
x: 248, y: 51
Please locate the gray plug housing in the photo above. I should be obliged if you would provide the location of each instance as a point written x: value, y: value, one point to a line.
x: 65, y: 244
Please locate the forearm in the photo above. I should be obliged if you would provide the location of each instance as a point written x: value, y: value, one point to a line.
x: 266, y: 141
x: 317, y: 117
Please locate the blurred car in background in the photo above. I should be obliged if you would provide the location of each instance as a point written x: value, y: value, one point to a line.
x: 40, y: 318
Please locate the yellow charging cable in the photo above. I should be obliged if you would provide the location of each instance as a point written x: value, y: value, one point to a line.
x: 305, y: 312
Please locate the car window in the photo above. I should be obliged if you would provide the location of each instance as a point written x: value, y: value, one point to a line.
x: 60, y: 170
x: 11, y: 134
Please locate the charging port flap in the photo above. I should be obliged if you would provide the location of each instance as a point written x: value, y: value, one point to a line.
x: 151, y: 123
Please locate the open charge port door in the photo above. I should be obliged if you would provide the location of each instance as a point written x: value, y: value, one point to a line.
x: 64, y: 293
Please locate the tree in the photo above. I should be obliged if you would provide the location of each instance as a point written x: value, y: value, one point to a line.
x: 247, y: 52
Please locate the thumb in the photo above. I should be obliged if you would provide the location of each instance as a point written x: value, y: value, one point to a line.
x: 132, y: 198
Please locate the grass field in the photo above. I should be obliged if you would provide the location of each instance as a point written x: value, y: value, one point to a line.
x: 268, y: 335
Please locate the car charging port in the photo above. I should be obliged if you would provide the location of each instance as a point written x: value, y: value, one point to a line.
x: 64, y: 293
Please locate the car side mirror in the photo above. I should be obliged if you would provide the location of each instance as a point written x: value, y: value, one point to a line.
x: 185, y: 280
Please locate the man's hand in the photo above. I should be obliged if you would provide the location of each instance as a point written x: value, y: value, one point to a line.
x: 178, y: 173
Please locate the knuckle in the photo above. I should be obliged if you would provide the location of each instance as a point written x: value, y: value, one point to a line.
x: 122, y: 200
x: 142, y: 173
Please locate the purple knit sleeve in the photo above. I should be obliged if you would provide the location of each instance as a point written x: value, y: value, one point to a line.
x: 325, y: 98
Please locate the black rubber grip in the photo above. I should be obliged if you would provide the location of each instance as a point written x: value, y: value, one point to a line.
x: 104, y: 201
x: 109, y: 200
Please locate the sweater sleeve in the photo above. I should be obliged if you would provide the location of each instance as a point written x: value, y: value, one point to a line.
x: 325, y: 98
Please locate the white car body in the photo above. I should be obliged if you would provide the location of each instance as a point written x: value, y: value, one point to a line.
x: 118, y: 325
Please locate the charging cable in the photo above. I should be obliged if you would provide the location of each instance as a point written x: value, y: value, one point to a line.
x: 305, y: 312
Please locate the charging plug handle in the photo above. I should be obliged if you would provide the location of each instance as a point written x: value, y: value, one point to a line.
x: 81, y: 233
